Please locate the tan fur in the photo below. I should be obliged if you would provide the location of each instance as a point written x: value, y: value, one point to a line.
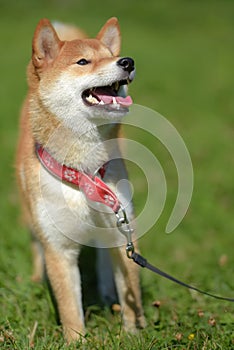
x: 45, y: 120
x: 68, y: 32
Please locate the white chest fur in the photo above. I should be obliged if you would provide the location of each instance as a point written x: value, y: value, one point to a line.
x: 66, y: 216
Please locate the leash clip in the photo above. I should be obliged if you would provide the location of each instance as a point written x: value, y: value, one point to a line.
x: 124, y: 227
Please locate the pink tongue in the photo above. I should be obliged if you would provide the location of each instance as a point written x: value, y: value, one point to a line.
x: 123, y: 101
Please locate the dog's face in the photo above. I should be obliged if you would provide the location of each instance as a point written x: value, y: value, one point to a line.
x: 81, y: 78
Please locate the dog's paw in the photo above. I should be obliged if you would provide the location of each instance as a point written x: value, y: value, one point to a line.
x: 134, y: 326
x: 73, y: 336
x: 141, y: 322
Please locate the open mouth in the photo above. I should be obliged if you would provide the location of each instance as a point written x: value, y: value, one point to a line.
x: 113, y: 95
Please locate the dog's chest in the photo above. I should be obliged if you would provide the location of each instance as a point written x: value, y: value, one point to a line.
x: 65, y: 212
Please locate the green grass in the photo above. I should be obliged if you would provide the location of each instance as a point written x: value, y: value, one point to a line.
x: 184, y: 55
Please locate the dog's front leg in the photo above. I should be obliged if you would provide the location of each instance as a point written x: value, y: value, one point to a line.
x: 64, y: 276
x: 128, y: 288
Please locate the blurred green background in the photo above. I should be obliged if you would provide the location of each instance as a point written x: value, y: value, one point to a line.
x: 184, y: 56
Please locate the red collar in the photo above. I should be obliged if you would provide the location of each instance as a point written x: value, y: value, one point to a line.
x: 92, y: 186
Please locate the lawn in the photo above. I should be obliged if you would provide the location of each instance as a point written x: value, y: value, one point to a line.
x: 184, y: 56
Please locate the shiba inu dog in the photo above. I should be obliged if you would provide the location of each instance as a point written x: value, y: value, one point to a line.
x: 69, y: 137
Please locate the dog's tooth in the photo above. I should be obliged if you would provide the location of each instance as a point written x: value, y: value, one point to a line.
x: 101, y: 102
x: 89, y: 98
x: 117, y: 86
x: 92, y: 99
x: 114, y: 101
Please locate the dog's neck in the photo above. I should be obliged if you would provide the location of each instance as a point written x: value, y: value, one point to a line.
x: 85, y: 150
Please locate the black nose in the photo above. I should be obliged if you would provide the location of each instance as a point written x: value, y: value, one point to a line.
x: 126, y: 63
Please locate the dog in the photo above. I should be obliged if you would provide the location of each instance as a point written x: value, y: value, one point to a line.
x: 70, y: 123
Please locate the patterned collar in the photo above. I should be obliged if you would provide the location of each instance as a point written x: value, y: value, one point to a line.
x: 93, y: 187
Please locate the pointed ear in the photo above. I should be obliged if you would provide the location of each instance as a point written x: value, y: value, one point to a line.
x: 110, y: 36
x: 46, y: 44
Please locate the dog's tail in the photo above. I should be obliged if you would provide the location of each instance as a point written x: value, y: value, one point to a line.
x: 68, y: 31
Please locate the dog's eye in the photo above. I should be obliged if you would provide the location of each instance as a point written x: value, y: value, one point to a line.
x: 82, y: 62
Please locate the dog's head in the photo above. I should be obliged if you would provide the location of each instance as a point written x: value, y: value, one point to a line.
x: 81, y: 78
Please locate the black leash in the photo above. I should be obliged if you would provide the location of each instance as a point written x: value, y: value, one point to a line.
x: 140, y: 260
x: 123, y: 226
